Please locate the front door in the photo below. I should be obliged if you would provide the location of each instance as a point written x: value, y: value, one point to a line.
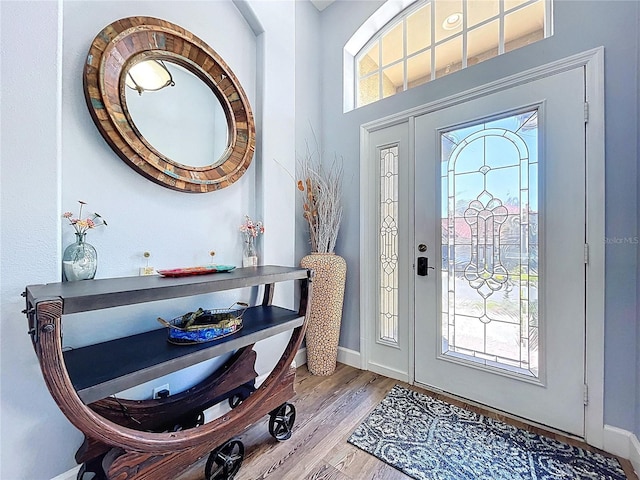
x: 500, y: 250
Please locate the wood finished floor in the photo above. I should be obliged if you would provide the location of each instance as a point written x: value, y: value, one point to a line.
x: 328, y: 409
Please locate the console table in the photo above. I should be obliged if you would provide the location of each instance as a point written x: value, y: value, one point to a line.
x: 159, y: 438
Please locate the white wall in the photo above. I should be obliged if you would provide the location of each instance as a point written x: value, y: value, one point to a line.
x: 177, y: 228
x: 52, y: 156
x: 29, y: 419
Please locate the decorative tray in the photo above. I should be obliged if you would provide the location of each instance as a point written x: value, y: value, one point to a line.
x: 205, y: 325
x: 188, y: 271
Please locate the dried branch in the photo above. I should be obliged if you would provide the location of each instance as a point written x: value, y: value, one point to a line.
x: 321, y: 191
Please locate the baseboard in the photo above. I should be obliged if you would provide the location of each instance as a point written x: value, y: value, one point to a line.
x: 345, y: 355
x: 634, y: 456
x: 623, y: 443
x: 349, y: 357
x: 389, y: 372
x: 69, y: 474
x: 301, y: 357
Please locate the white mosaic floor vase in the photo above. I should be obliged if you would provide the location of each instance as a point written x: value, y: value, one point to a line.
x: 325, y: 316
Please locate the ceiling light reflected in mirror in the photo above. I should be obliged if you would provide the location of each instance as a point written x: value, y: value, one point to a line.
x: 149, y: 76
x: 453, y: 21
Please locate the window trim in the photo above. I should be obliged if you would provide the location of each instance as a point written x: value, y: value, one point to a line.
x: 387, y: 12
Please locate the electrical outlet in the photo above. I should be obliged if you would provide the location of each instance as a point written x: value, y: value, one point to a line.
x: 147, y: 271
x: 162, y: 391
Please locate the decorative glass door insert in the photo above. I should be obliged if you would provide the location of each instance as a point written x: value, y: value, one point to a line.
x: 489, y: 215
x: 388, y: 324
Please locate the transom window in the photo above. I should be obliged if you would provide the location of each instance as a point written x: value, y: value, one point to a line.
x: 436, y: 37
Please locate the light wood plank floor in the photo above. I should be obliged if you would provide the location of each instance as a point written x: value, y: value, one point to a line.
x: 328, y: 409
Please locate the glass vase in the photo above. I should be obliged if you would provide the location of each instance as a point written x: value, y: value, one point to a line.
x: 80, y: 260
x: 250, y: 255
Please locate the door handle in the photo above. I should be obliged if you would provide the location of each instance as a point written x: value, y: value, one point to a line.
x: 423, y: 266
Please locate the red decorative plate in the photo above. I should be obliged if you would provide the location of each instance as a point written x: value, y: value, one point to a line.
x: 188, y: 271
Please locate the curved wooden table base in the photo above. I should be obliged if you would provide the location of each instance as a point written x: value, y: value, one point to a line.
x: 145, y: 414
x: 139, y: 466
x: 155, y: 415
x: 49, y: 350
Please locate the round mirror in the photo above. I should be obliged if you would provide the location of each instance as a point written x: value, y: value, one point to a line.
x: 217, y: 144
x: 182, y: 118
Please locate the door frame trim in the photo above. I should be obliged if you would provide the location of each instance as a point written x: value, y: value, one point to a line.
x: 593, y: 63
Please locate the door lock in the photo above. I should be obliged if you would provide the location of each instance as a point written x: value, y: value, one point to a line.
x: 423, y: 266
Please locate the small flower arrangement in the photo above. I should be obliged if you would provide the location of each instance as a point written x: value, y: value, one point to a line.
x: 251, y: 229
x: 81, y: 225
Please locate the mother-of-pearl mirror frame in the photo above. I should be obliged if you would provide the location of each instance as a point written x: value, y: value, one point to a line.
x: 130, y: 40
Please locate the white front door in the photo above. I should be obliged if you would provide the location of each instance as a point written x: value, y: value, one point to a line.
x: 500, y: 216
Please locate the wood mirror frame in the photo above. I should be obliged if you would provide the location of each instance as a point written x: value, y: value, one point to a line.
x: 130, y: 40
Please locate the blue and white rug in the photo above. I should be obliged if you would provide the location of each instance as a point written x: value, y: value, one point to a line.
x: 429, y: 439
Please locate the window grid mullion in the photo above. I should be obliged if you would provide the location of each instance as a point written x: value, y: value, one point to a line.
x: 357, y: 78
x: 433, y: 40
x: 464, y: 35
x: 405, y: 41
x: 548, y: 18
x: 501, y: 38
x: 380, y: 67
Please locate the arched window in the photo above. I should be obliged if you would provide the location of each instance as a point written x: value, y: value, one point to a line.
x: 432, y: 38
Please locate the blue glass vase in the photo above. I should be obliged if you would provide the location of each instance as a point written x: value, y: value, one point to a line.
x: 79, y: 261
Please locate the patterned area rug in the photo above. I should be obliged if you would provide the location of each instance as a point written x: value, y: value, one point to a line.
x: 429, y: 439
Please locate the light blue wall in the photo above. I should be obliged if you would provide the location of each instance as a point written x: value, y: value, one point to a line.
x: 637, y: 429
x: 579, y: 26
x: 308, y: 96
x: 52, y: 155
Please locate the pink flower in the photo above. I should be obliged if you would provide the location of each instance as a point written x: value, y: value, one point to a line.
x: 82, y: 225
x: 250, y: 228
